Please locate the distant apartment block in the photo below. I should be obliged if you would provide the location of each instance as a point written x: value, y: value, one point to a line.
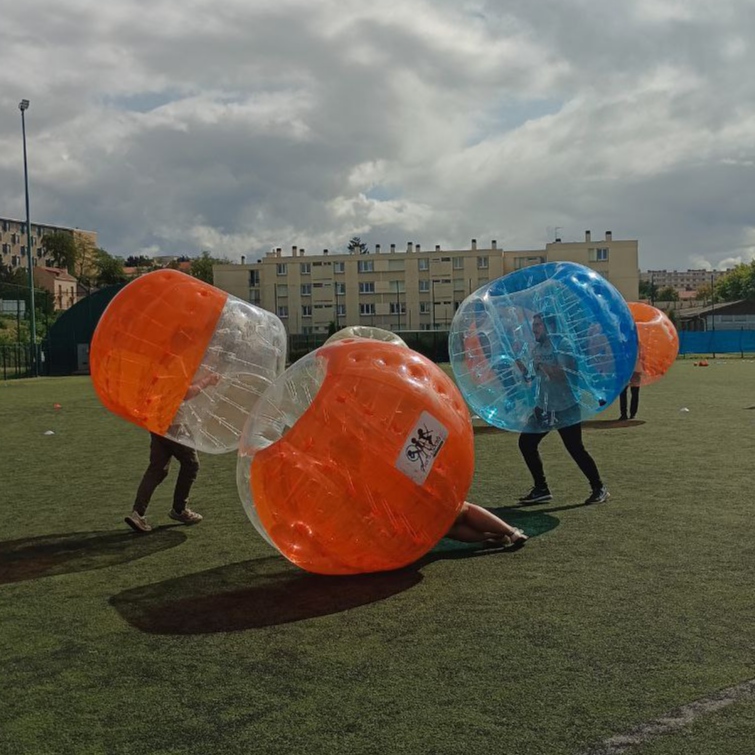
x: 408, y: 289
x: 13, y: 242
x: 681, y: 280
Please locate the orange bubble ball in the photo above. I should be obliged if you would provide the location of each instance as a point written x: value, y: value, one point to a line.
x: 150, y: 342
x: 658, y: 343
x: 358, y: 458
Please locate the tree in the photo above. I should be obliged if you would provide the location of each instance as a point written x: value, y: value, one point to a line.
x: 85, y: 266
x: 668, y: 293
x: 139, y: 261
x: 648, y: 290
x: 109, y: 269
x: 60, y: 247
x: 738, y: 283
x: 201, y: 267
x: 356, y: 245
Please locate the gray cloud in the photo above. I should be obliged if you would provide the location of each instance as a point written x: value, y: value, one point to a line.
x: 238, y: 126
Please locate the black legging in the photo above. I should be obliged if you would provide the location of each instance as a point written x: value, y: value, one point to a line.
x: 572, y: 439
x: 634, y: 402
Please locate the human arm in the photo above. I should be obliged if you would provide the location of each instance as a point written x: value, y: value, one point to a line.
x: 196, y: 388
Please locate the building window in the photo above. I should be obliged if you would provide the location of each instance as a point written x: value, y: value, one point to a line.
x: 282, y: 312
x: 280, y: 268
x: 458, y: 263
x: 458, y: 284
x: 306, y: 289
x: 365, y: 266
x: 424, y: 307
x: 367, y: 288
x: 305, y: 268
x: 341, y: 310
x: 306, y: 310
x: 340, y: 288
x: 254, y: 278
x: 397, y: 287
x: 598, y: 255
x: 282, y: 289
x: 482, y: 263
x: 398, y: 308
x: 366, y: 309
x: 423, y: 263
x: 424, y: 286
x: 339, y: 267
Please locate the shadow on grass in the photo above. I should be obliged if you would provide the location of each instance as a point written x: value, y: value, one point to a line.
x: 610, y: 424
x: 50, y: 555
x: 590, y: 424
x: 271, y: 591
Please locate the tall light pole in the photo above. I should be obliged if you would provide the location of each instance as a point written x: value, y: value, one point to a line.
x: 23, y: 106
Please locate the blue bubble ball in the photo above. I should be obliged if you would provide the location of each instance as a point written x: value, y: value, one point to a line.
x: 543, y: 347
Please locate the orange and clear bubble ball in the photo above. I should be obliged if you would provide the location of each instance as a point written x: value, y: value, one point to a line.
x: 166, y: 332
x: 357, y: 459
x: 658, y: 342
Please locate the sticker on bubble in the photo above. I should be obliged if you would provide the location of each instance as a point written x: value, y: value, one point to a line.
x: 421, y: 448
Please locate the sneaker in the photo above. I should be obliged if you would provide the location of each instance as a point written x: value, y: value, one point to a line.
x: 187, y: 516
x: 623, y: 418
x: 137, y: 522
x: 537, y: 495
x: 598, y: 495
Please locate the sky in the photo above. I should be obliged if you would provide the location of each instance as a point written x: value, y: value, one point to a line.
x: 238, y: 126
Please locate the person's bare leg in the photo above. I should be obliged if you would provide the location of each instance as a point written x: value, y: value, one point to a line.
x: 476, y: 524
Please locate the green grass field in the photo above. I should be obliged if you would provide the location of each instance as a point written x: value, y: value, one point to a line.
x: 205, y: 640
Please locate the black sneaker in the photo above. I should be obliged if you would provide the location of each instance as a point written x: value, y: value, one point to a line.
x: 537, y: 495
x: 598, y: 495
x: 623, y: 418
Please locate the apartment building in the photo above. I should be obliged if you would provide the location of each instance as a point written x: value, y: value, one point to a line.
x: 681, y: 280
x: 411, y: 289
x: 13, y: 242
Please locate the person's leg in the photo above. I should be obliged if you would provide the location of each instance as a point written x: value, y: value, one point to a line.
x: 528, y: 443
x: 572, y: 440
x: 187, y: 475
x: 623, y: 404
x: 476, y: 524
x: 634, y: 403
x: 156, y: 472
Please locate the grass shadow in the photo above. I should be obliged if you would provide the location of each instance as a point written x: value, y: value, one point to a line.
x: 252, y: 595
x: 611, y: 424
x: 271, y: 591
x: 51, y: 555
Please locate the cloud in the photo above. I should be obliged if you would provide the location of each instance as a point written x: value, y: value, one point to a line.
x: 240, y: 126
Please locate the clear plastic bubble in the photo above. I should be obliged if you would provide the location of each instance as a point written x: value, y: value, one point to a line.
x: 366, y: 331
x: 357, y: 459
x: 543, y: 347
x: 184, y: 359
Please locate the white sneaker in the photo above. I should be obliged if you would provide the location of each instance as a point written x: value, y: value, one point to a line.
x: 187, y: 516
x: 137, y: 522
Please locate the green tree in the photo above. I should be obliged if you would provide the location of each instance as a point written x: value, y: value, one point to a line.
x: 109, y: 269
x: 668, y: 293
x: 60, y: 247
x: 738, y: 283
x: 201, y: 267
x: 648, y: 290
x: 357, y: 246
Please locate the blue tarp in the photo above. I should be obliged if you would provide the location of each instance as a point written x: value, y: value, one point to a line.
x: 716, y: 341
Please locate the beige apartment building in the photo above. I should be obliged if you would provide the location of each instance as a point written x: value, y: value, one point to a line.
x: 13, y: 242
x: 682, y: 280
x: 412, y: 289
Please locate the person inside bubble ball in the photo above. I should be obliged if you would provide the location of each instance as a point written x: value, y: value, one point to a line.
x: 475, y: 524
x: 161, y: 451
x: 556, y: 405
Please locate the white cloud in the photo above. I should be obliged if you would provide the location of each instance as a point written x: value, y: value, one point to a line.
x: 240, y: 125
